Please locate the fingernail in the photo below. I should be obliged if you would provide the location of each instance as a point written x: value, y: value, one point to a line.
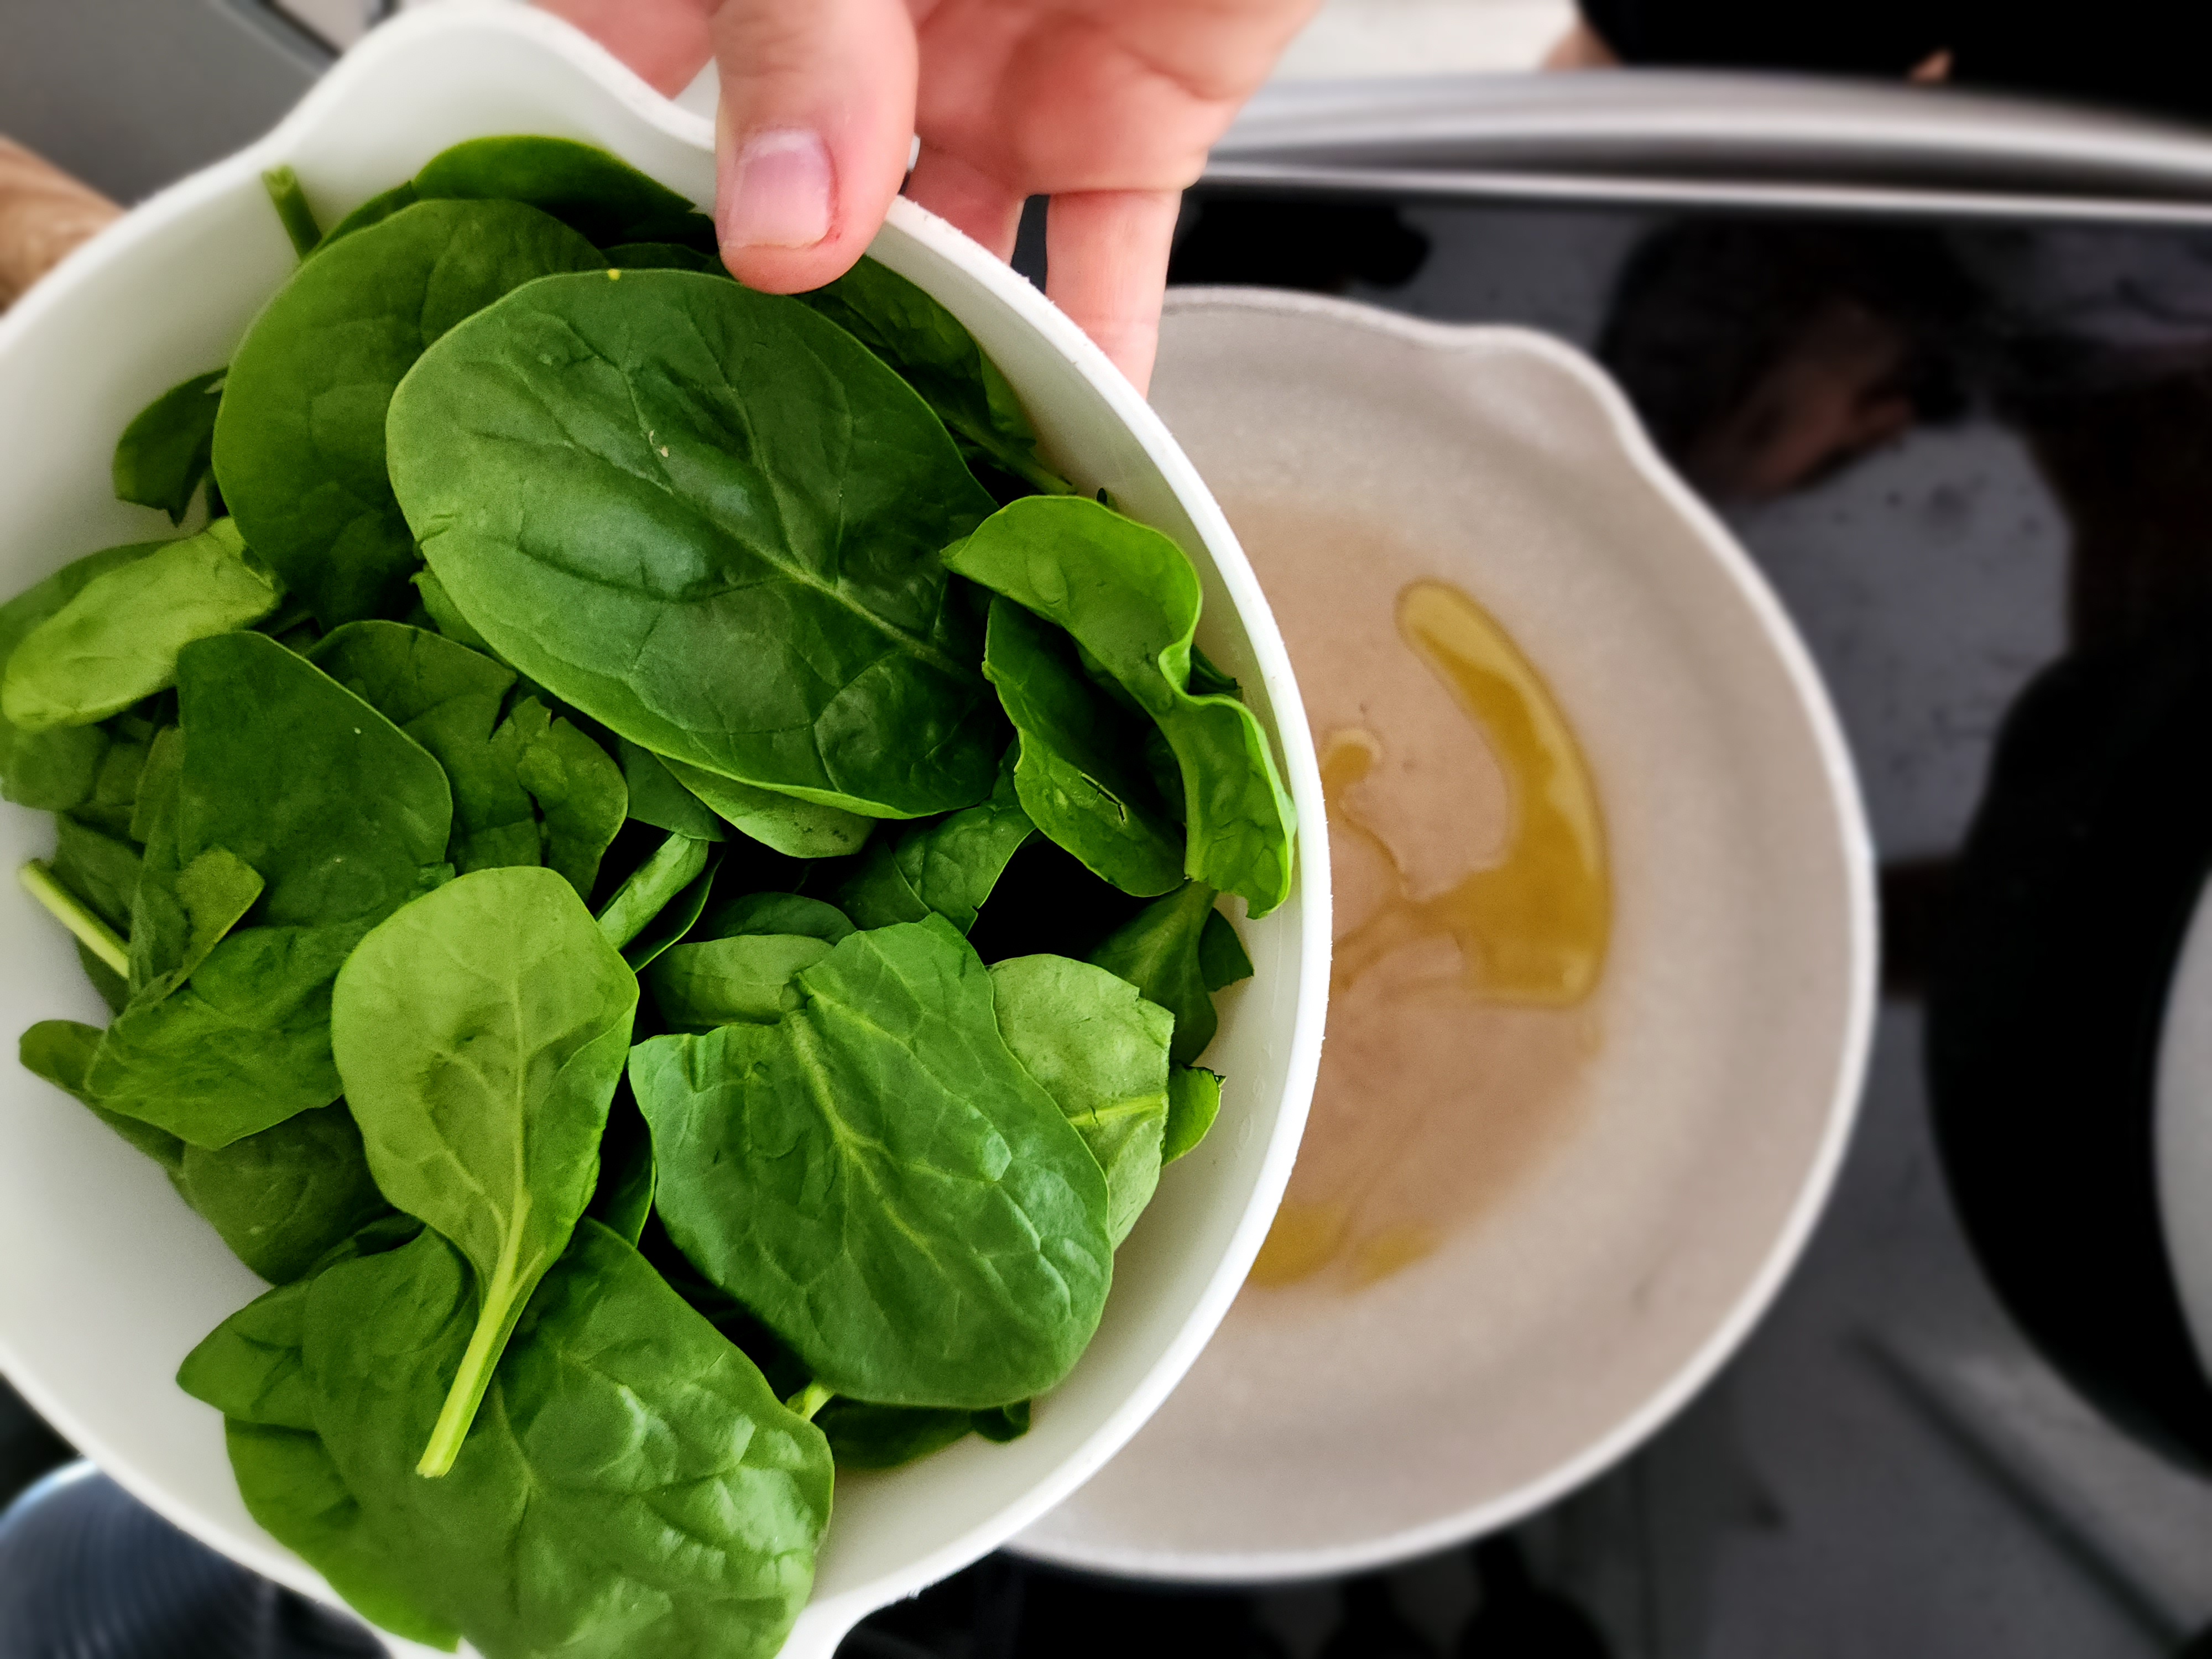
x: 776, y: 192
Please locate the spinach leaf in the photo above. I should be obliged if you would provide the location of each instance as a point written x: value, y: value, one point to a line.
x: 656, y: 797
x: 746, y: 977
x: 342, y: 816
x: 600, y: 196
x: 1194, y: 1102
x: 631, y: 1487
x: 878, y: 1179
x: 865, y: 1437
x: 949, y: 865
x: 623, y: 1201
x: 708, y: 519
x: 447, y: 698
x: 674, y: 919
x: 1129, y: 596
x: 167, y: 451
x: 664, y: 256
x: 652, y: 887
x: 935, y: 354
x: 1079, y: 769
x: 374, y: 211
x: 281, y: 1198
x: 480, y: 1031
x: 113, y: 801
x: 117, y: 642
x: 300, y: 438
x: 444, y: 616
x: 98, y: 869
x: 1222, y: 961
x: 54, y: 770
x: 60, y: 1051
x: 773, y: 913
x: 797, y: 828
x: 1159, y: 950
x: 1101, y: 1051
x: 253, y: 1368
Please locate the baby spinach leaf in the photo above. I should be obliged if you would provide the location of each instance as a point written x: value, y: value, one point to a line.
x: 54, y: 770
x: 178, y: 916
x: 1129, y: 596
x: 447, y: 698
x: 709, y: 520
x: 664, y: 256
x: 117, y: 642
x: 444, y: 614
x: 949, y: 865
x: 113, y: 801
x: 797, y: 828
x: 656, y: 797
x: 165, y: 453
x: 1080, y: 770
x: 1194, y: 1102
x: 674, y: 919
x: 300, y: 438
x: 623, y: 1201
x: 747, y: 977
x: 878, y: 1179
x: 98, y: 869
x: 1158, y: 951
x: 292, y: 209
x: 374, y: 211
x: 654, y: 1494
x: 773, y: 913
x: 1002, y: 1424
x: 253, y: 1368
x: 1101, y: 1051
x: 935, y: 354
x: 480, y: 1032
x: 60, y: 1051
x: 865, y: 1437
x: 1222, y: 961
x: 600, y: 196
x: 244, y: 1043
x: 652, y: 887
x: 283, y: 1197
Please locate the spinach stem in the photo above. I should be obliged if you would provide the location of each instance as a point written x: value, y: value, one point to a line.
x: 292, y: 209
x: 810, y: 1399
x: 495, y: 1322
x: 98, y: 937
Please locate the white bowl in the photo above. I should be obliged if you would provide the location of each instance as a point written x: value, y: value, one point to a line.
x: 1325, y: 1430
x: 108, y: 1279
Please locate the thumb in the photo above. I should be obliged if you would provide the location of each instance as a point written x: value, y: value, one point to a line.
x: 816, y: 118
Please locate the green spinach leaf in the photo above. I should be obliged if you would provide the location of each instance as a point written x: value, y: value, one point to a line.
x: 282, y: 1197
x: 117, y: 642
x: 674, y: 919
x: 878, y: 1179
x: 167, y: 451
x: 656, y: 797
x: 773, y: 913
x: 60, y: 1051
x: 1079, y: 769
x: 600, y: 196
x: 1194, y: 1102
x: 659, y: 881
x: 1129, y: 596
x: 480, y: 1031
x: 708, y: 519
x: 747, y: 977
x: 54, y: 770
x: 659, y: 1498
x: 244, y: 1042
x: 300, y: 438
x: 797, y: 828
x: 935, y: 354
x: 1101, y: 1051
x: 447, y: 698
x: 1160, y: 951
x: 949, y: 865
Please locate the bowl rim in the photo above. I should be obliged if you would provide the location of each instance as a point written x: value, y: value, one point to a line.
x: 567, y: 49
x: 1854, y: 841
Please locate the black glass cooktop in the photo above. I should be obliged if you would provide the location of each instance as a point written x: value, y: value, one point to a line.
x: 1974, y: 459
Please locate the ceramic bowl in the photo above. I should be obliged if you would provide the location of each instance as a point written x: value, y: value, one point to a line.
x: 108, y: 1280
x: 1333, y: 1426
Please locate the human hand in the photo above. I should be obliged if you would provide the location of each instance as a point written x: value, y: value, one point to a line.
x: 1107, y: 106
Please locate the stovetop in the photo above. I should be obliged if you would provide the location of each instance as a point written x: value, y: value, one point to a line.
x: 1962, y: 450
